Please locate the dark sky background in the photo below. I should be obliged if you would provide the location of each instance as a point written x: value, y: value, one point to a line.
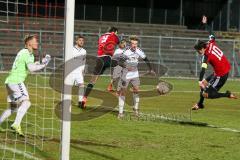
x: 173, y: 4
x: 146, y: 3
x: 192, y: 9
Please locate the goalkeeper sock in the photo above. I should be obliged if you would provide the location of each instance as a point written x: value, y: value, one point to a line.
x: 21, y: 112
x: 88, y: 89
x: 135, y: 101
x: 5, y: 115
x: 80, y: 93
x: 121, y: 101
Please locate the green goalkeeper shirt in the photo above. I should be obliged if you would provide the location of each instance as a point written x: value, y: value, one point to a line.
x: 19, y: 70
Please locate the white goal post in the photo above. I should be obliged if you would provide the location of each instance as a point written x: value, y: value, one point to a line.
x: 66, y: 107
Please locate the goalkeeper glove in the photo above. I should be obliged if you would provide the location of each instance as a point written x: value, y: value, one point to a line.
x: 46, y: 59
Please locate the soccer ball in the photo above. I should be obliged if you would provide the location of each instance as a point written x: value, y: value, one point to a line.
x: 162, y: 88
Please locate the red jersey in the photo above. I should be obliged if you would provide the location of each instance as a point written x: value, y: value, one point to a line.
x: 107, y: 43
x: 215, y: 57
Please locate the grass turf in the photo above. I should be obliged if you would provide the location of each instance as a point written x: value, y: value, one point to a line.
x: 106, y: 137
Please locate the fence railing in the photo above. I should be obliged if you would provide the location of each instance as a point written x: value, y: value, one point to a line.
x: 176, y: 53
x: 228, y: 17
x: 96, y: 12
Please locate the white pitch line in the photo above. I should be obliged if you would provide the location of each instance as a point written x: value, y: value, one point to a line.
x: 208, y: 125
x: 225, y: 129
x: 192, y: 92
x: 14, y: 150
x: 179, y: 120
x: 173, y: 91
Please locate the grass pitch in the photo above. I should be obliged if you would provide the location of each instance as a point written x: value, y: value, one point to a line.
x: 107, y: 138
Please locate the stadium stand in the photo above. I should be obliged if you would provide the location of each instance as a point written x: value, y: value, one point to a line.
x: 176, y: 51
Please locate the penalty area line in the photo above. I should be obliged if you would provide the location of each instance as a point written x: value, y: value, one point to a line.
x: 14, y: 150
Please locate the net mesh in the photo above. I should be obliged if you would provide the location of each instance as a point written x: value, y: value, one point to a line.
x: 40, y: 124
x: 9, y: 8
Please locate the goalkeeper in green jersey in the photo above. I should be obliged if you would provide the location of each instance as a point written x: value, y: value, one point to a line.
x: 18, y: 97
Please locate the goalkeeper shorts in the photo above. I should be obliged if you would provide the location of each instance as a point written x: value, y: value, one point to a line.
x: 17, y: 93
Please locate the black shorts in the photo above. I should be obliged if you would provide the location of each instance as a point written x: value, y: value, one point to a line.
x: 217, y: 81
x: 102, y: 63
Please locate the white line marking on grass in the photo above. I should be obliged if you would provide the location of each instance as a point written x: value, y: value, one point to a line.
x: 192, y: 78
x: 225, y: 129
x: 177, y: 119
x: 184, y: 91
x: 208, y: 125
x: 49, y: 87
x: 192, y: 92
x: 14, y: 150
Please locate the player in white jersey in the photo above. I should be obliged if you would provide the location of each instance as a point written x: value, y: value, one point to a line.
x: 18, y: 97
x: 116, y: 71
x: 78, y: 60
x: 130, y: 74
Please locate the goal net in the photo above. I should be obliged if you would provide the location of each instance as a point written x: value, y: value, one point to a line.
x: 10, y: 8
x: 41, y: 125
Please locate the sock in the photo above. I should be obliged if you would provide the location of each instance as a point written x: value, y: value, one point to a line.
x: 88, y: 89
x: 223, y: 95
x: 213, y: 93
x: 121, y: 101
x: 218, y: 95
x: 135, y: 101
x: 80, y: 93
x: 21, y: 112
x: 200, y: 102
x: 5, y: 115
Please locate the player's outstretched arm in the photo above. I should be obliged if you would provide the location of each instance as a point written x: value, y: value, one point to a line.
x: 209, y: 29
x: 211, y: 34
x: 119, y: 59
x: 32, y: 67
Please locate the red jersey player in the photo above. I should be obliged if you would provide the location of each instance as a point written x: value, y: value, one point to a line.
x: 212, y: 84
x: 106, y: 47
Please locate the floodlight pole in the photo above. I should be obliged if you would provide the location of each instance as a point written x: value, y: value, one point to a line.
x: 181, y: 12
x: 228, y: 13
x: 66, y: 106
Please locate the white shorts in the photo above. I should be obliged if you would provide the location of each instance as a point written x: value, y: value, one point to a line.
x: 17, y: 92
x: 74, y: 79
x: 117, y: 72
x: 126, y: 78
x: 123, y: 83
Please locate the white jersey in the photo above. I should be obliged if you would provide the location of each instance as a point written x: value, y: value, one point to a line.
x: 77, y: 58
x: 132, y: 61
x: 119, y: 51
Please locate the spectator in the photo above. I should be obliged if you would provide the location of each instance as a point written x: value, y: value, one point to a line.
x: 204, y: 24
